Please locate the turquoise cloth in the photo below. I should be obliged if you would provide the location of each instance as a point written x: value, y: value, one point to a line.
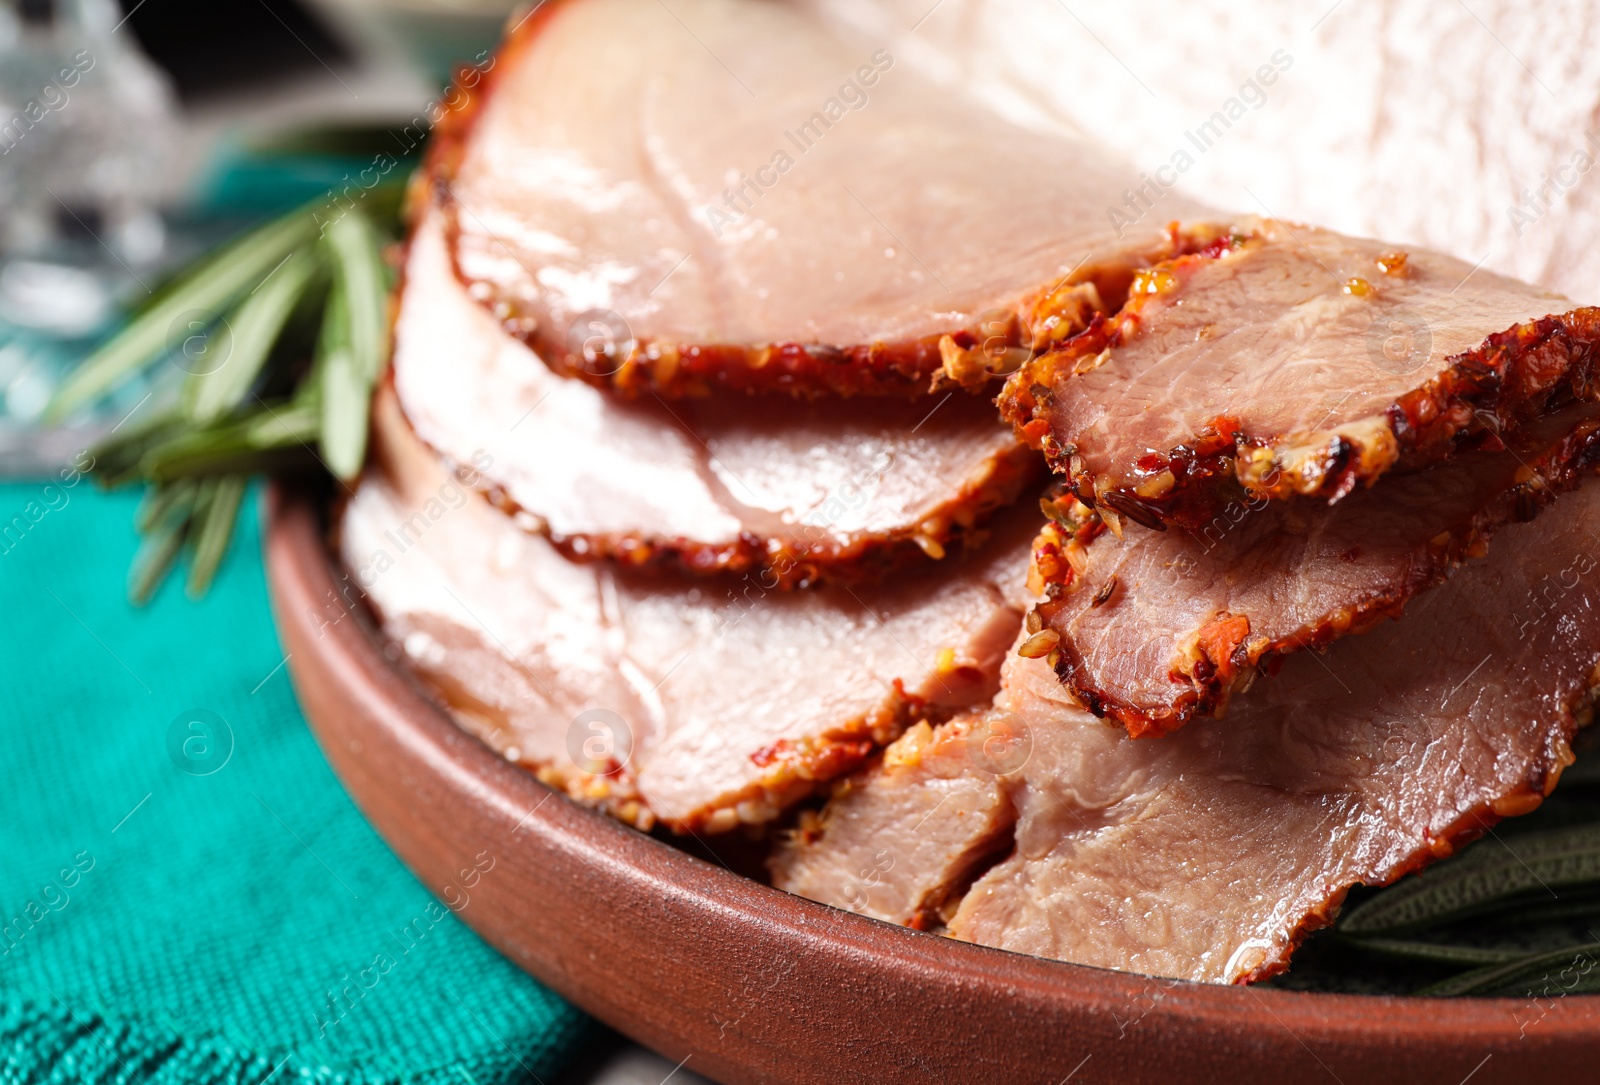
x: 186, y: 893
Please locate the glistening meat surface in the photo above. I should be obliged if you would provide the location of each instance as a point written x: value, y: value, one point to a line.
x: 697, y: 705
x: 1210, y: 853
x: 792, y: 492
x: 736, y: 196
x: 902, y: 842
x: 1155, y: 628
x: 1295, y: 361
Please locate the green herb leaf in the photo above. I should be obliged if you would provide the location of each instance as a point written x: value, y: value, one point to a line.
x: 1541, y: 975
x: 162, y: 543
x: 1485, y: 880
x: 159, y: 501
x: 215, y: 531
x: 363, y: 280
x: 245, y: 340
x: 1435, y: 952
x: 205, y: 292
x: 273, y: 437
x: 116, y: 460
x: 354, y: 345
x: 343, y: 394
x: 254, y: 306
x: 346, y: 401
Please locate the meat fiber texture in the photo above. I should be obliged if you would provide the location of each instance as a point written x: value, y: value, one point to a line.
x: 1155, y: 628
x: 1469, y: 129
x: 1351, y: 768
x: 728, y: 195
x: 791, y: 493
x: 702, y: 706
x: 903, y: 842
x: 1289, y: 360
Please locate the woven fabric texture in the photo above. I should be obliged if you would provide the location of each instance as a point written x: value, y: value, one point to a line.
x: 186, y: 893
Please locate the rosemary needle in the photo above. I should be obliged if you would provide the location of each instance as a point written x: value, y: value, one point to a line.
x: 215, y: 530
x: 208, y: 289
x: 253, y: 303
x: 161, y: 546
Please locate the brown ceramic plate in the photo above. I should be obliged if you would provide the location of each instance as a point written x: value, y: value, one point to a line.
x: 753, y: 985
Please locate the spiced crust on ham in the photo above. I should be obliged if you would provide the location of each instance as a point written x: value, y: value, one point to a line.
x: 699, y: 705
x: 1358, y: 767
x: 1155, y: 628
x: 584, y: 192
x: 791, y: 493
x: 1286, y: 360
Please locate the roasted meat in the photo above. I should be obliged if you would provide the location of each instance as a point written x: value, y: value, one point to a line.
x: 1287, y: 360
x: 1210, y: 854
x: 793, y: 493
x: 704, y: 201
x: 1155, y: 628
x: 904, y: 841
x: 700, y: 705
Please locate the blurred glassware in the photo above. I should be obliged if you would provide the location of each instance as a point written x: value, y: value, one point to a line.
x: 88, y: 128
x: 435, y: 35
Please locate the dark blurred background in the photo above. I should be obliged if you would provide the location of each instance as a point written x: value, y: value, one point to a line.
x: 213, y: 48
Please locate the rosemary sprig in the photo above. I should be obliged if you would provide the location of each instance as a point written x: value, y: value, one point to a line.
x: 213, y: 284
x: 1483, y: 881
x: 215, y: 532
x: 232, y: 323
x: 247, y: 339
x: 1445, y: 953
x: 1566, y: 971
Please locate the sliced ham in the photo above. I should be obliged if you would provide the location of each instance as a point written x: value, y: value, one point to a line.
x: 791, y: 492
x: 1290, y: 360
x: 1159, y: 627
x: 731, y: 195
x: 701, y: 706
x: 945, y: 821
x: 1211, y: 853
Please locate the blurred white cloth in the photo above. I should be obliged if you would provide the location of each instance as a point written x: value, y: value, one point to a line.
x: 1425, y: 122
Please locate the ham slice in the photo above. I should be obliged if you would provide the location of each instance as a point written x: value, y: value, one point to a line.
x: 1159, y: 627
x: 1211, y: 853
x: 1292, y: 360
x: 731, y: 195
x: 792, y: 493
x: 942, y: 819
x: 702, y: 705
